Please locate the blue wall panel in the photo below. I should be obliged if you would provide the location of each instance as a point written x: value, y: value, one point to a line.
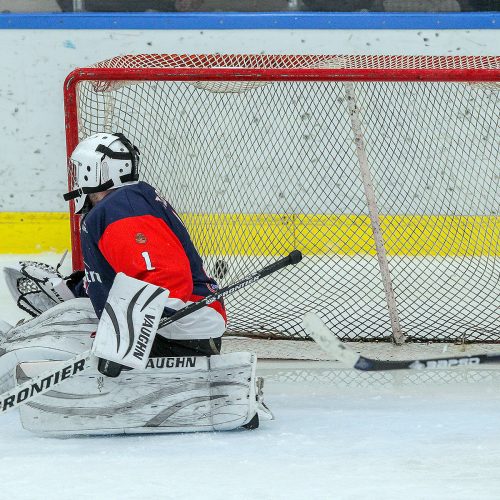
x: 262, y: 20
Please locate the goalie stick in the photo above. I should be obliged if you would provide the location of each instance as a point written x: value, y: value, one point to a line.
x: 330, y: 343
x: 46, y: 381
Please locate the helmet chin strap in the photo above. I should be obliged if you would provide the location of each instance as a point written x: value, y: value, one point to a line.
x: 87, y: 190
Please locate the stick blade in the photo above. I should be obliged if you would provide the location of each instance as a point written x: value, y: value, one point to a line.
x: 327, y: 340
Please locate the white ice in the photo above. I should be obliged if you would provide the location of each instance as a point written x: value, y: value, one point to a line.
x: 337, y: 435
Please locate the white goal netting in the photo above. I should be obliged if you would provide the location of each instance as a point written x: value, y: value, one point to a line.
x: 258, y: 168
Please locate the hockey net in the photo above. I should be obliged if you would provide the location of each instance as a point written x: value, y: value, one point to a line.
x: 382, y: 170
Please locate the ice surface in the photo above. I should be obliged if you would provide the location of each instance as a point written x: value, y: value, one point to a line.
x: 335, y: 436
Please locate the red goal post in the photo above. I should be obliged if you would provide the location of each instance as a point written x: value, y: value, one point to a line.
x: 97, y: 97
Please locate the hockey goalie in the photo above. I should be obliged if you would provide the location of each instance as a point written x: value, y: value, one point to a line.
x: 140, y: 266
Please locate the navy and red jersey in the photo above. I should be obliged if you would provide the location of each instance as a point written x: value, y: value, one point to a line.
x: 135, y: 231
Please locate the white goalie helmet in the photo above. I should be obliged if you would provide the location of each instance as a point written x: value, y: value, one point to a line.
x: 101, y: 162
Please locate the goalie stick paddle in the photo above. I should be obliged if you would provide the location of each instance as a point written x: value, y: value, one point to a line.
x: 46, y: 381
x: 330, y: 343
x: 112, y: 369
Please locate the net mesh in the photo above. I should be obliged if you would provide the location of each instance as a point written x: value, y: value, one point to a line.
x: 262, y: 61
x: 258, y: 169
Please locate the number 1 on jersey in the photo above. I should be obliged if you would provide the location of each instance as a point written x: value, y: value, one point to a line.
x: 147, y: 260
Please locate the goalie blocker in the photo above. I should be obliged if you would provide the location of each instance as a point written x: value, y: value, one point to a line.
x: 129, y: 322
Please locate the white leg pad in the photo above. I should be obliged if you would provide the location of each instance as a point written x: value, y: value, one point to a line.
x: 57, y: 334
x: 185, y: 394
x: 4, y: 328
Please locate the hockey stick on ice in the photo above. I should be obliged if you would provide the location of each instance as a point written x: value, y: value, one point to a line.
x: 329, y: 342
x: 46, y: 381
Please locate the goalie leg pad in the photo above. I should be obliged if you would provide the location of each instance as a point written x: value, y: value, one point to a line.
x: 57, y: 334
x: 185, y: 394
x: 4, y: 328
